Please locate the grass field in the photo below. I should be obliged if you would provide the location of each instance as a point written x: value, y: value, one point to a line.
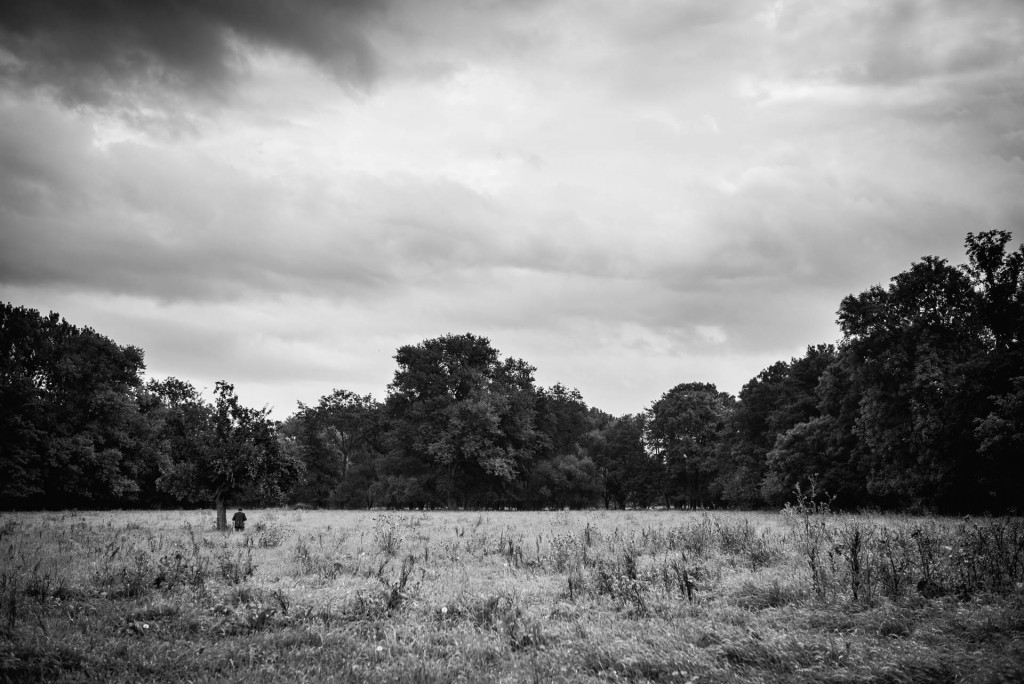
x: 664, y: 596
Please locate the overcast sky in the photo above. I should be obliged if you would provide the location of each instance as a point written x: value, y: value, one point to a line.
x: 628, y: 195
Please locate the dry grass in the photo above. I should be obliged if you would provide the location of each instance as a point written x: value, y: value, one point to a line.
x: 661, y: 596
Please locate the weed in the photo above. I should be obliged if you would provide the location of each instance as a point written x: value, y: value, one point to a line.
x: 268, y: 536
x: 136, y: 575
x: 318, y: 562
x: 504, y: 614
x: 564, y: 551
x: 853, y: 544
x: 44, y: 584
x: 237, y: 567
x: 927, y: 545
x: 398, y: 590
x: 575, y: 582
x: 676, y: 577
x: 386, y: 535
x: 809, y: 501
x: 893, y: 560
x: 622, y: 580
x: 510, y: 545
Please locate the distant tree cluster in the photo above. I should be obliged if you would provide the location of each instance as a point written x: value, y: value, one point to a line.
x: 80, y: 428
x: 920, y: 406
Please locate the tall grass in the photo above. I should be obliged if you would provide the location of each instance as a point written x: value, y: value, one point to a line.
x: 805, y: 595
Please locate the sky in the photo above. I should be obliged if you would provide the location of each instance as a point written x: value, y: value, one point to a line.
x: 627, y: 195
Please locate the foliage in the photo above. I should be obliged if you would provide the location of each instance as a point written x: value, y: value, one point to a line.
x: 631, y: 476
x: 683, y: 430
x: 339, y: 441
x: 220, y: 450
x: 464, y: 418
x: 71, y: 432
x: 781, y: 397
x: 929, y: 359
x: 918, y: 408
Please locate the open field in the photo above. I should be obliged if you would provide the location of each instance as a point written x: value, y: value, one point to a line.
x: 662, y: 596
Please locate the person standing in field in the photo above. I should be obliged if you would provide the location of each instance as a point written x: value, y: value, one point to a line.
x: 239, y: 520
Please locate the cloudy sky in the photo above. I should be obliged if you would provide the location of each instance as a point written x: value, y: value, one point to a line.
x: 626, y: 194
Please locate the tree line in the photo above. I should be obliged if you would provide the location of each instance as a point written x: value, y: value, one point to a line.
x: 919, y: 406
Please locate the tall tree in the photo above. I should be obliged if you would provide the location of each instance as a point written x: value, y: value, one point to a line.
x: 924, y: 364
x: 70, y: 429
x: 684, y: 429
x: 563, y: 472
x: 630, y: 475
x: 780, y: 397
x: 461, y: 421
x: 218, y: 451
x: 562, y: 420
x: 909, y: 346
x: 998, y: 278
x: 750, y: 436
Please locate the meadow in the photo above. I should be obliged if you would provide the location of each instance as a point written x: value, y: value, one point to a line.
x: 804, y: 595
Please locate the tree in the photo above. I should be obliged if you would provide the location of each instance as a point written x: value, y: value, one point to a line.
x: 461, y: 421
x: 684, y: 428
x: 630, y: 475
x: 565, y: 480
x: 922, y: 364
x: 338, y: 441
x: 750, y: 436
x: 562, y: 420
x: 70, y: 428
x: 563, y: 472
x: 780, y: 397
x: 998, y: 279
x: 1001, y: 436
x: 824, y: 447
x: 218, y: 451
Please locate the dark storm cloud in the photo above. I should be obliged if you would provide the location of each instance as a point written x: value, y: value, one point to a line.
x: 91, y: 51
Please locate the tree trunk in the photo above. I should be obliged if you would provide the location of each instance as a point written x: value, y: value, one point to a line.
x: 222, y: 512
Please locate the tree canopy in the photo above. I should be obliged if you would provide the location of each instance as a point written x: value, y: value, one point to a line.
x: 71, y: 433
x: 219, y: 451
x: 464, y: 417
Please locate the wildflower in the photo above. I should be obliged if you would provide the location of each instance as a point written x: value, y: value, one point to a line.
x: 444, y: 610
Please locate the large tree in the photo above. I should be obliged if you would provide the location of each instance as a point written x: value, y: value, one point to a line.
x: 998, y: 279
x: 461, y: 423
x: 917, y: 409
x: 909, y: 348
x: 70, y: 430
x: 684, y: 429
x: 216, y: 452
